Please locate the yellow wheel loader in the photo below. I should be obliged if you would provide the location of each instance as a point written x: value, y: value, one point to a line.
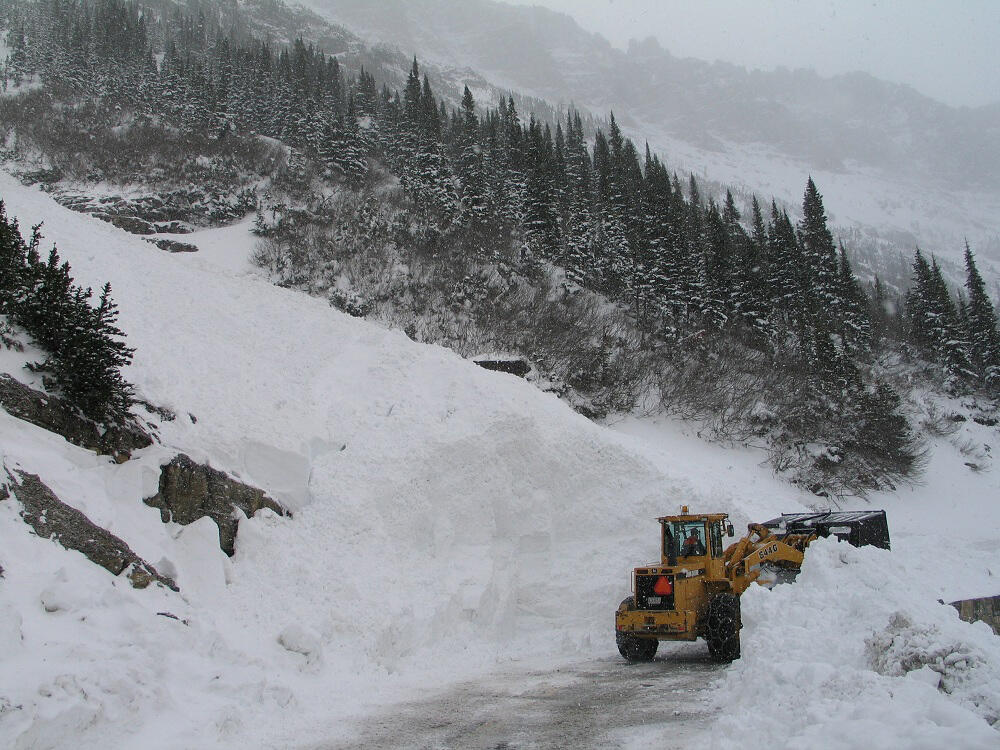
x: 693, y: 592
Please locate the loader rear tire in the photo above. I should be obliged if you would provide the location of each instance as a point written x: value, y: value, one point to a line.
x: 632, y: 647
x: 724, y: 627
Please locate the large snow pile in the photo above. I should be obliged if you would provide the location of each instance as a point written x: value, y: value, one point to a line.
x: 446, y: 517
x: 856, y: 654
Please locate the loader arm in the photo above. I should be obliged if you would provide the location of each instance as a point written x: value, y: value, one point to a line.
x: 760, y: 545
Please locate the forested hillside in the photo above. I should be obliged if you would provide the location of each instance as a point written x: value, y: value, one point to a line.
x: 626, y: 285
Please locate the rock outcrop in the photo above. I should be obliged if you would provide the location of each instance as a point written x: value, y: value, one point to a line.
x: 189, y: 491
x: 513, y: 366
x: 57, y: 415
x: 51, y: 518
x: 169, y: 212
x: 173, y: 246
x: 985, y: 609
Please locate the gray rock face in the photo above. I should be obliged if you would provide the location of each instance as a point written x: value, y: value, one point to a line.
x: 173, y: 246
x: 189, y: 491
x: 53, y: 519
x: 56, y: 415
x: 170, y: 211
x: 514, y: 366
x: 985, y: 609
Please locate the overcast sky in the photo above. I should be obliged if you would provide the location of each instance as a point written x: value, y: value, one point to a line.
x: 947, y: 49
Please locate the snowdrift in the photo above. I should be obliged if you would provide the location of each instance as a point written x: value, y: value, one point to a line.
x: 855, y: 654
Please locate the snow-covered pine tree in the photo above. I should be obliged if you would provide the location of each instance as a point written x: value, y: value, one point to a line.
x: 87, y: 365
x: 716, y: 302
x: 981, y: 324
x: 577, y: 232
x: 85, y: 349
x: 855, y: 324
x: 821, y: 301
x: 933, y: 322
x: 541, y: 217
x: 470, y: 166
x: 755, y: 300
x: 655, y: 249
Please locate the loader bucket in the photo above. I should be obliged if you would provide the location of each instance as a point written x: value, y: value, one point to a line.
x: 859, y: 528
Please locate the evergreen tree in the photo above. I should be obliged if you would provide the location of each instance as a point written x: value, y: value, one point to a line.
x: 934, y: 323
x: 87, y: 364
x: 579, y: 224
x: 717, y: 287
x: 470, y: 168
x: 541, y: 217
x: 755, y: 295
x: 785, y: 268
x: 855, y: 325
x: 981, y: 325
x: 84, y: 348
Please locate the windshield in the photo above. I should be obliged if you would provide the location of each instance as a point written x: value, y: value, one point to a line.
x: 689, y: 538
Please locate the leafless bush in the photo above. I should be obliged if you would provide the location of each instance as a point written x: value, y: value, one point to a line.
x: 8, y: 337
x: 269, y: 255
x: 935, y: 421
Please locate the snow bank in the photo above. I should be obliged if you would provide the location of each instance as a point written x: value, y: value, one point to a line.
x: 857, y: 653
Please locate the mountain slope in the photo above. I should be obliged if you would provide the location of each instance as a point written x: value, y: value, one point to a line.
x: 897, y: 164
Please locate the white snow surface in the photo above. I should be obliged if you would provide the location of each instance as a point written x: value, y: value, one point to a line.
x: 446, y: 520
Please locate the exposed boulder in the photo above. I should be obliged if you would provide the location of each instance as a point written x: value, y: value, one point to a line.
x: 53, y: 519
x: 131, y: 224
x: 174, y: 212
x: 173, y: 246
x: 189, y: 491
x: 985, y: 609
x: 57, y: 415
x: 513, y: 365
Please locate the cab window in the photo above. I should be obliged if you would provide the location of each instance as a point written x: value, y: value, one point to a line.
x: 716, y: 539
x: 689, y: 538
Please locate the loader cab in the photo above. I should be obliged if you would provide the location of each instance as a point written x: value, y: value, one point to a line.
x: 689, y: 538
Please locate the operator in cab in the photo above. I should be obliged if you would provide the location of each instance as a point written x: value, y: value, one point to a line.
x: 693, y: 545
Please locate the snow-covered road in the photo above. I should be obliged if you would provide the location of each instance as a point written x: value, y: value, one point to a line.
x: 606, y: 703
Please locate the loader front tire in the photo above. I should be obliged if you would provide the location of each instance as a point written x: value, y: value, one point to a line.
x: 724, y: 627
x: 632, y: 647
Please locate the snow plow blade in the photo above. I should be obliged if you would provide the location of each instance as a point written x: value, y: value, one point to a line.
x: 860, y: 528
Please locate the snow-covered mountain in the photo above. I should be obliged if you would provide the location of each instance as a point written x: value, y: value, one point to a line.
x: 893, y: 163
x: 446, y: 520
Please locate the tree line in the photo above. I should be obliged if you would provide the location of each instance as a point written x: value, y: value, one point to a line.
x: 616, y: 220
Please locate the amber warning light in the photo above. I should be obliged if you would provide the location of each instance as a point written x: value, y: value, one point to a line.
x: 663, y: 587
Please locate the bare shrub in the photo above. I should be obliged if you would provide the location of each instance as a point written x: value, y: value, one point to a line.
x: 935, y: 421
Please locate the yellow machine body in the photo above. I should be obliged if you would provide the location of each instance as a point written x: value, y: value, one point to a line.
x: 675, y: 598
